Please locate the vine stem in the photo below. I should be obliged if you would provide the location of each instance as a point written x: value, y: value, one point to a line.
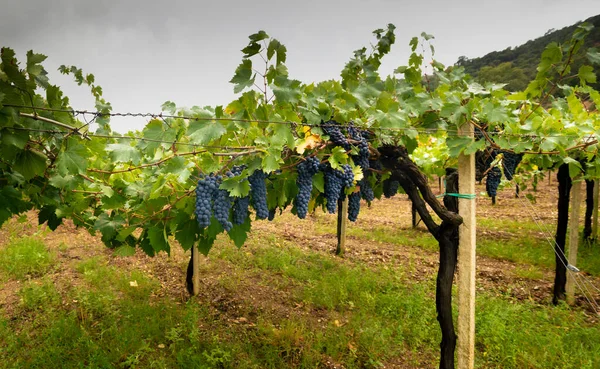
x: 561, y: 76
x: 56, y: 123
x: 131, y: 169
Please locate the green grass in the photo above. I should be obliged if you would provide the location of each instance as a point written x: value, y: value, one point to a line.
x: 25, y: 257
x: 39, y: 295
x: 334, y: 310
x: 521, y: 244
x: 386, y: 312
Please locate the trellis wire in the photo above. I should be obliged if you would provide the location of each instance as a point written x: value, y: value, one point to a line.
x: 561, y: 255
x: 451, y: 132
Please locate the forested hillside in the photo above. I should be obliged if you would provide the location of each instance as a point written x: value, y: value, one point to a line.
x: 517, y: 66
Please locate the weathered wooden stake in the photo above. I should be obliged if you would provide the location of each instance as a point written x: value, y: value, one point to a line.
x: 595, y: 211
x: 196, y: 270
x: 341, y: 226
x: 573, y: 239
x: 466, y: 259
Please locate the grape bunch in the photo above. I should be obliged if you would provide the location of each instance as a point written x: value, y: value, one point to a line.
x: 353, y: 206
x: 205, y: 192
x: 240, y: 204
x: 493, y: 181
x: 240, y: 209
x: 306, y: 170
x: 222, y: 208
x: 333, y: 130
x: 362, y: 160
x: 390, y: 187
x: 510, y: 162
x: 481, y: 164
x: 366, y: 191
x: 258, y: 194
x: 335, y: 181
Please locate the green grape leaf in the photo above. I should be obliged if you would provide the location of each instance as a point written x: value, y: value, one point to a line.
x: 73, y: 158
x: 30, y: 163
x: 67, y: 182
x: 123, y: 153
x: 574, y: 167
x: 550, y: 143
x: 252, y: 49
x: 48, y: 214
x: 271, y: 160
x: 108, y: 226
x: 287, y: 93
x: 203, y: 132
x: 205, y: 244
x: 124, y: 251
x: 277, y: 47
x: 11, y: 203
x: 243, y: 76
x: 457, y: 144
x: 155, y: 130
x: 495, y: 113
x: 158, y: 239
x: 239, y: 233
x: 177, y: 166
x: 236, y: 187
x: 319, y: 182
x: 593, y: 55
x: 474, y: 146
x: 586, y: 75
x: 338, y: 157
x: 258, y: 36
x: 14, y: 139
x: 169, y: 107
x: 187, y: 231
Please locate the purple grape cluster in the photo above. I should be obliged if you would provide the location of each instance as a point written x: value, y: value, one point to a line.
x: 510, y: 163
x: 222, y: 208
x: 493, y: 181
x: 334, y: 131
x: 362, y: 160
x: 390, y: 187
x: 240, y: 204
x: 353, y: 206
x: 206, y: 190
x: 306, y: 170
x: 258, y: 194
x: 335, y: 181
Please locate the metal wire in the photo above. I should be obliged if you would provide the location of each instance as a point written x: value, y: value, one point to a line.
x: 137, y: 138
x: 452, y: 132
x: 561, y: 255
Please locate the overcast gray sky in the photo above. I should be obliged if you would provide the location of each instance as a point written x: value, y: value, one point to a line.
x: 146, y: 52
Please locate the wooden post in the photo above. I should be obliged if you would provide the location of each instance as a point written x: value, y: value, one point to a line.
x: 466, y: 259
x: 573, y: 239
x: 341, y: 226
x: 196, y: 270
x: 595, y: 212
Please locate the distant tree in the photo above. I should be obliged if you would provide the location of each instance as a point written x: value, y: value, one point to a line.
x: 462, y: 60
x: 514, y: 77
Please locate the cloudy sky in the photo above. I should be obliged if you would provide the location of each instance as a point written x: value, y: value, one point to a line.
x: 146, y: 52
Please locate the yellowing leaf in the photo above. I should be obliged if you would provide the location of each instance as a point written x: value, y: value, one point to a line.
x: 310, y: 142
